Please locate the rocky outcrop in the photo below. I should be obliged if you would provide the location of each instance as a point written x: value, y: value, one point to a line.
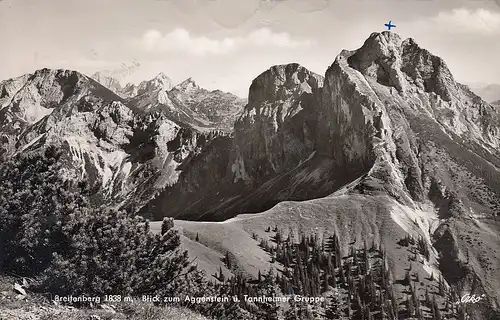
x: 126, y: 155
x: 277, y: 128
x: 129, y: 91
x: 28, y: 99
x: 108, y: 82
x: 159, y: 83
x: 273, y: 149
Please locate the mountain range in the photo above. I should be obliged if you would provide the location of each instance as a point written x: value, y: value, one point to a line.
x: 489, y: 92
x: 384, y: 145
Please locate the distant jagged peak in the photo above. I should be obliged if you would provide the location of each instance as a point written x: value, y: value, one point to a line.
x: 496, y: 103
x: 160, y: 82
x: 102, y: 74
x: 187, y: 85
x: 36, y: 95
x: 46, y: 78
x: 161, y: 76
x: 399, y: 63
x: 489, y: 92
x: 280, y: 82
x: 60, y: 73
x: 107, y: 80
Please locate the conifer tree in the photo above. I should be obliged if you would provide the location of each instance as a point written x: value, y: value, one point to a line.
x: 221, y: 275
x: 409, y: 306
x: 394, y: 303
x: 427, y: 297
x: 366, y: 258
x: 167, y: 224
x: 227, y: 260
x: 391, y: 313
x: 436, y: 313
x: 338, y: 252
x: 342, y: 276
x: 35, y: 205
x: 407, y: 279
x: 268, y: 310
x: 292, y: 312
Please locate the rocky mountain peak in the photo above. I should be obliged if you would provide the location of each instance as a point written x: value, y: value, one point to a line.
x: 380, y: 58
x: 41, y: 76
x: 129, y: 91
x: 187, y: 85
x: 392, y: 62
x: 283, y: 81
x: 161, y: 76
x: 29, y: 98
x: 160, y: 82
x: 108, y: 81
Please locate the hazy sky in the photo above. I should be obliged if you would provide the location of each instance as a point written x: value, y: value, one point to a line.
x: 224, y: 44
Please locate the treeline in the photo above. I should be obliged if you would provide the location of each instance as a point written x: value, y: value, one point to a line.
x: 356, y: 283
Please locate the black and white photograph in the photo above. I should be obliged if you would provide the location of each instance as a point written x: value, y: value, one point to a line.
x: 250, y: 159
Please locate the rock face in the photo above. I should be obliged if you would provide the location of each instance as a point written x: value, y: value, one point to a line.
x: 216, y: 108
x: 185, y: 103
x: 370, y: 116
x: 125, y: 154
x: 159, y: 83
x: 28, y: 99
x: 108, y: 82
x: 272, y: 157
x: 276, y: 130
x: 129, y: 91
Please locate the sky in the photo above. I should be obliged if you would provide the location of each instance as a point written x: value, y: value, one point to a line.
x: 225, y: 44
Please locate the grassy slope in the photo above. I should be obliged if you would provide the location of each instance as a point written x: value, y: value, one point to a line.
x: 353, y: 217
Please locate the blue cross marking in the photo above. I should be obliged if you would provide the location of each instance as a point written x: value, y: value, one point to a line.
x: 390, y: 25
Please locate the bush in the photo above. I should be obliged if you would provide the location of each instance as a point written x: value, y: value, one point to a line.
x: 113, y: 253
x: 51, y: 232
x: 48, y: 229
x: 35, y: 204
